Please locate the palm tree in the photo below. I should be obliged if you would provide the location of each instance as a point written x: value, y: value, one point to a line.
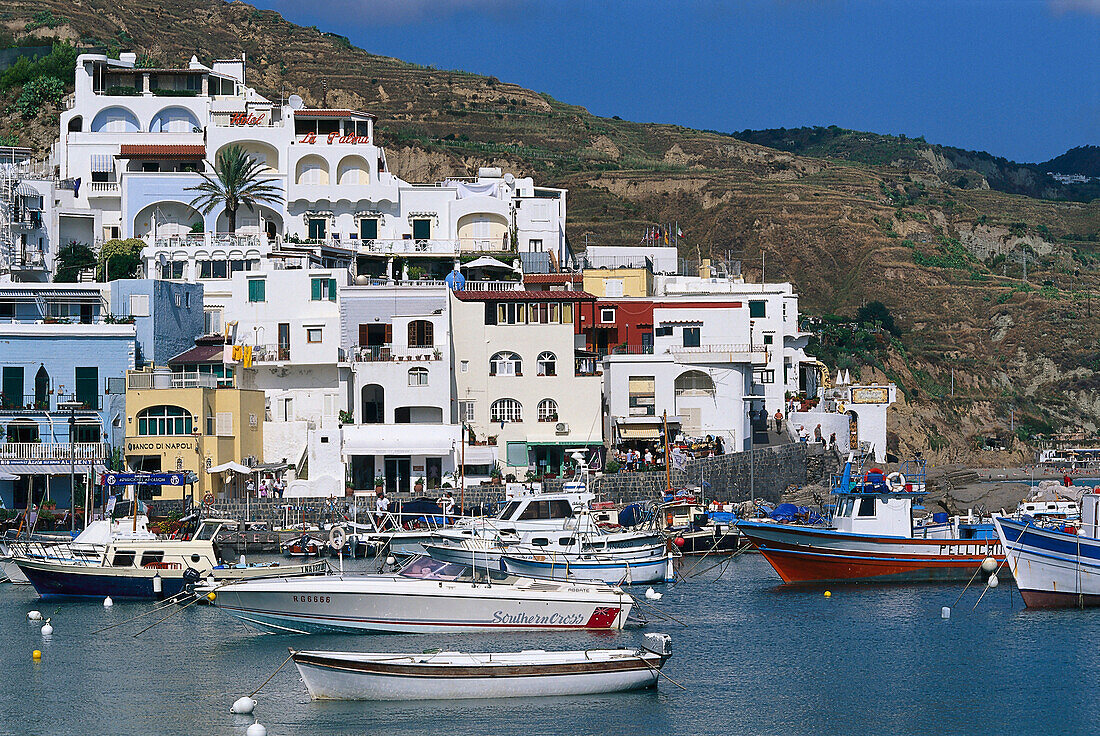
x: 235, y: 182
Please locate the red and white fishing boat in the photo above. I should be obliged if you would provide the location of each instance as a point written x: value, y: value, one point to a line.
x: 303, y: 546
x: 872, y: 536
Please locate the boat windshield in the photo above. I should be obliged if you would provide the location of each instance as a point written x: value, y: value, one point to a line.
x: 426, y: 568
x: 207, y: 530
x: 508, y: 510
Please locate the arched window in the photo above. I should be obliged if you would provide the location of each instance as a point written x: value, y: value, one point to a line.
x: 547, y: 364
x: 418, y: 376
x: 505, y: 364
x: 174, y: 120
x: 506, y: 410
x: 421, y: 334
x: 548, y: 410
x: 694, y: 383
x: 312, y: 170
x: 115, y: 120
x: 374, y: 404
x: 353, y: 170
x: 164, y: 420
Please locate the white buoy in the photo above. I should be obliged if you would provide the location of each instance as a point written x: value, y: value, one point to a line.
x: 653, y: 595
x: 242, y: 562
x: 256, y: 729
x: 989, y: 564
x: 945, y: 612
x: 993, y: 582
x: 34, y: 615
x: 46, y: 628
x: 107, y: 602
x: 243, y: 705
x: 391, y: 560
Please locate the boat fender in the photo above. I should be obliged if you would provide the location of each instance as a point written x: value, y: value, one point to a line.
x: 243, y: 706
x: 337, y: 537
x: 895, y: 481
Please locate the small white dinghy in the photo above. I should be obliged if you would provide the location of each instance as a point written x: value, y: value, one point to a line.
x: 455, y: 675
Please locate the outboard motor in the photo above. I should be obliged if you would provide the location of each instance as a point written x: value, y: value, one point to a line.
x: 660, y: 644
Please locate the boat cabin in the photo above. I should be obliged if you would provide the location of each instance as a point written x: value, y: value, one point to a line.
x: 162, y: 554
x: 1090, y: 515
x: 552, y: 508
x: 877, y: 504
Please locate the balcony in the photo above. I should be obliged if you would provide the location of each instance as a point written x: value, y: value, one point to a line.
x: 450, y: 246
x: 209, y: 240
x: 723, y: 353
x: 29, y: 403
x: 103, y: 189
x: 270, y: 353
x: 80, y: 452
x: 27, y: 259
x: 384, y: 353
x: 149, y: 380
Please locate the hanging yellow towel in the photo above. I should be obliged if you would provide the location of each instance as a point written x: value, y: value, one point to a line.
x: 238, y: 353
x: 247, y: 358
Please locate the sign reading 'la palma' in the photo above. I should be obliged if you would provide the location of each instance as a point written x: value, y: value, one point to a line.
x: 335, y: 138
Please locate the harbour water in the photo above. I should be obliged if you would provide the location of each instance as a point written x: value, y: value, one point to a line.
x: 755, y: 657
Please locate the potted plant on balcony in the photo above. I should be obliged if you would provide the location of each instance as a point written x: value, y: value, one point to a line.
x: 491, y: 439
x: 345, y: 417
x: 495, y: 475
x: 419, y: 485
x: 379, y: 482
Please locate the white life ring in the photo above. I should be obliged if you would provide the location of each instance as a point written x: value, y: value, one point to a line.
x: 895, y: 482
x: 336, y: 537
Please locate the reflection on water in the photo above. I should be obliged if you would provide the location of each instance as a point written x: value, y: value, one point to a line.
x: 756, y: 657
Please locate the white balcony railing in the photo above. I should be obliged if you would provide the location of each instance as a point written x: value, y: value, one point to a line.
x: 141, y: 380
x: 225, y: 240
x: 434, y: 246
x: 80, y: 452
x: 103, y: 187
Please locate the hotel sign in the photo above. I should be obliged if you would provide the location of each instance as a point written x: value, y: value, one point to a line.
x: 245, y: 119
x: 336, y: 138
x: 870, y: 396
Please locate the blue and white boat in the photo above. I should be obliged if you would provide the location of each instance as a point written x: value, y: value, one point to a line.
x: 1056, y: 563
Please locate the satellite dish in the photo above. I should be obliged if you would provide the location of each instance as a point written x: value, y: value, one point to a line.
x: 509, y: 179
x: 295, y: 102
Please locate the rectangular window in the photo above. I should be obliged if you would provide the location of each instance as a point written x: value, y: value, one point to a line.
x: 517, y: 454
x: 11, y: 389
x: 567, y: 313
x: 224, y: 424
x: 368, y: 228
x: 769, y: 339
x: 465, y: 411
x: 613, y: 287
x: 323, y: 289
x: 213, y: 269
x: 87, y: 387
x: 642, y: 393
x: 257, y: 290
x: 758, y: 309
x: 317, y: 228
x: 313, y: 334
x: 139, y: 305
x: 607, y: 314
x: 422, y: 229
x: 763, y: 375
x: 663, y: 331
x: 535, y: 246
x: 212, y: 321
x: 691, y: 337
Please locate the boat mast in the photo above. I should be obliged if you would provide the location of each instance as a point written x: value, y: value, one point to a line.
x: 668, y: 472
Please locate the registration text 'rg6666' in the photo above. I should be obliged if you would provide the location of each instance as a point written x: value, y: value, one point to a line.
x: 312, y: 598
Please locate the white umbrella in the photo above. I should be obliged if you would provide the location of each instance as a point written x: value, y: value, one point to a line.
x: 7, y: 476
x: 488, y: 262
x: 234, y: 466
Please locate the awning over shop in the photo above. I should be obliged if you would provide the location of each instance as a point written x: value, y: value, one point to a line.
x: 639, y: 432
x: 480, y: 455
x: 435, y: 440
x: 52, y: 469
x: 235, y: 467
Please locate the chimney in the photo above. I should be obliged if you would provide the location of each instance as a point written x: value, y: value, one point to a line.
x: 704, y: 268
x: 128, y: 57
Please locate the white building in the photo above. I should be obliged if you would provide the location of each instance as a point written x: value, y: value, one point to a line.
x: 135, y: 139
x: 28, y: 232
x: 521, y: 385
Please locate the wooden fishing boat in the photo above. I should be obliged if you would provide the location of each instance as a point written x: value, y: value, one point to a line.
x: 303, y: 546
x: 440, y: 675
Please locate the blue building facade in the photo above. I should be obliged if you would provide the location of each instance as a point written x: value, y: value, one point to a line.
x: 168, y: 316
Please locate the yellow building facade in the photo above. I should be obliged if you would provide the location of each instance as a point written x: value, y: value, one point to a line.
x: 184, y: 421
x: 611, y: 283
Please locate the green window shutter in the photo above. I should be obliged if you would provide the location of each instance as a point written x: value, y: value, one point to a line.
x: 368, y: 229
x: 257, y: 290
x: 87, y: 386
x: 758, y: 309
x: 332, y: 290
x: 422, y: 229
x: 12, y: 386
x: 315, y: 292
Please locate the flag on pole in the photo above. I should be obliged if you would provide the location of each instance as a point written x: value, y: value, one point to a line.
x: 679, y: 232
x: 679, y: 458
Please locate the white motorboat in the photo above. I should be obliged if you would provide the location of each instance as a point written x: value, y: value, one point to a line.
x: 442, y: 675
x: 424, y: 596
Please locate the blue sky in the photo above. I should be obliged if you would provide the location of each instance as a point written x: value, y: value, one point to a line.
x: 1017, y: 78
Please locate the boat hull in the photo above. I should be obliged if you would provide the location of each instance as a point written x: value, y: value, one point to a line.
x: 618, y: 572
x: 811, y: 555
x: 383, y: 604
x: 88, y: 581
x: 1053, y: 569
x: 328, y: 679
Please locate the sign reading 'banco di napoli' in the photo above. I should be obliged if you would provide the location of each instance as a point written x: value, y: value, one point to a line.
x: 182, y: 443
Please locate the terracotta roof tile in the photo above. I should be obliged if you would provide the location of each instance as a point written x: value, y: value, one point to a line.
x: 520, y: 296
x: 162, y: 151
x: 552, y: 278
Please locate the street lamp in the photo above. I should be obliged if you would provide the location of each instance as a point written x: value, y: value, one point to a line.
x: 71, y: 407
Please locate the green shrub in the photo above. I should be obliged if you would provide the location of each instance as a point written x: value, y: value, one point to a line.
x: 60, y: 64
x: 44, y: 19
x: 71, y: 260
x: 43, y: 90
x: 119, y: 259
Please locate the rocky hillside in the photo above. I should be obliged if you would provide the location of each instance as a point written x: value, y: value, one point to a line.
x: 945, y: 255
